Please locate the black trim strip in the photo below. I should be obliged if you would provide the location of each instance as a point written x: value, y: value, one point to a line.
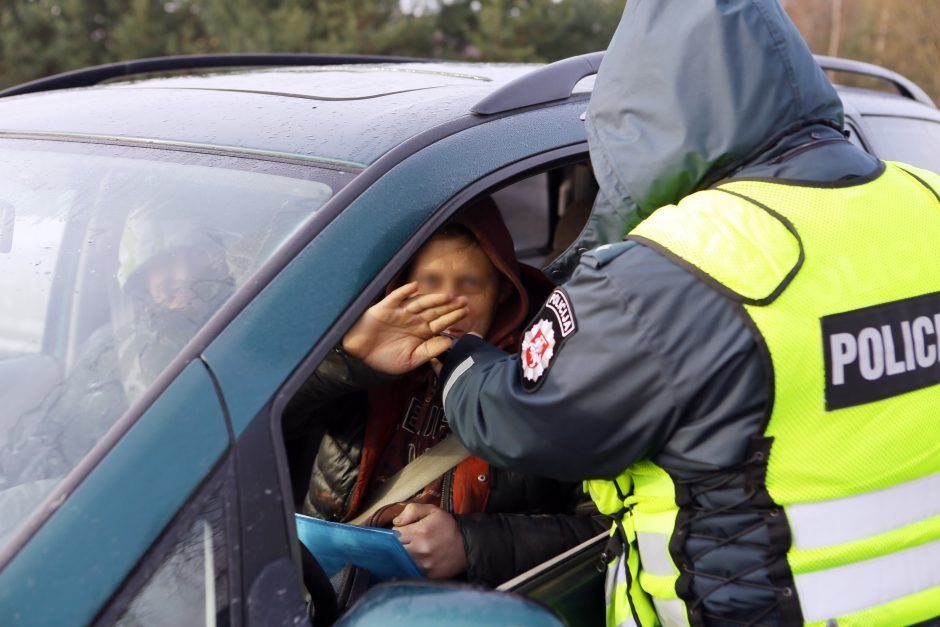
x: 677, y: 538
x: 810, y: 145
x: 767, y: 361
x: 694, y: 270
x: 921, y: 181
x: 790, y: 227
x: 841, y: 184
x: 778, y: 528
x: 715, y: 283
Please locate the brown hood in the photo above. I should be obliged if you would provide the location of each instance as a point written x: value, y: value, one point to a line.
x: 483, y: 219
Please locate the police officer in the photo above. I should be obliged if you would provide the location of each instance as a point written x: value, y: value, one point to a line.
x: 749, y: 381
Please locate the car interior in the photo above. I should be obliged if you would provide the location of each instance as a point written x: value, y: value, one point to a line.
x: 544, y: 212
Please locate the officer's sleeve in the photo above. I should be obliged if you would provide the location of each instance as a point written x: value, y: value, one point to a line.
x: 587, y: 395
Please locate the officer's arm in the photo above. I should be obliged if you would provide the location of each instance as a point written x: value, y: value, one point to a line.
x: 586, y: 396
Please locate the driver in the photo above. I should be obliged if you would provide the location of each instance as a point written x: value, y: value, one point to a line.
x: 477, y: 521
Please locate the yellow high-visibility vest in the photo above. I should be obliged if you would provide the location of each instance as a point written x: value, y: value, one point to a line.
x: 842, y: 285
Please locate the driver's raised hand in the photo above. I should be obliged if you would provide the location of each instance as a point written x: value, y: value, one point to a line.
x: 400, y: 332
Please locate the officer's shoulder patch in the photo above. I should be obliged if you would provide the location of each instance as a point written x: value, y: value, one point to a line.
x: 602, y: 255
x: 544, y: 339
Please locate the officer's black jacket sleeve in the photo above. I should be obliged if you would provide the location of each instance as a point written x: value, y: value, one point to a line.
x: 656, y: 356
x: 501, y: 546
x: 527, y: 521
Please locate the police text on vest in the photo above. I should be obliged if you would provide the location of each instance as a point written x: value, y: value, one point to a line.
x: 881, y: 351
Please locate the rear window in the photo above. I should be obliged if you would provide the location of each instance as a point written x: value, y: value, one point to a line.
x: 111, y: 259
x: 909, y: 140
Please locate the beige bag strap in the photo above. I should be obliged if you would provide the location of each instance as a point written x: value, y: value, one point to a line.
x: 408, y: 481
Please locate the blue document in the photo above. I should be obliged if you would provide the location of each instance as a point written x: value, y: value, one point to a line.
x: 336, y: 545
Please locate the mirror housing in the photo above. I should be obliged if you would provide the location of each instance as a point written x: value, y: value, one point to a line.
x: 425, y: 604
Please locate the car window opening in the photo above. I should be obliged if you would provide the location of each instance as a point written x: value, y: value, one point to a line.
x: 349, y: 429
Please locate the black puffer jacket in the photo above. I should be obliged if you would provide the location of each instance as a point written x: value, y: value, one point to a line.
x: 527, y: 520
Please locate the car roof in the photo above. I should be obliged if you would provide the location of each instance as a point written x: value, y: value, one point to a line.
x: 344, y: 114
x: 347, y: 115
x: 883, y: 103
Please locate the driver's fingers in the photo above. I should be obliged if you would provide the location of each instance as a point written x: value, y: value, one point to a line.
x: 396, y: 297
x: 434, y: 347
x: 440, y: 324
x: 432, y: 314
x: 418, y: 304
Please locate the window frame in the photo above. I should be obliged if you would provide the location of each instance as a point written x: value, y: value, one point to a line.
x: 498, y: 179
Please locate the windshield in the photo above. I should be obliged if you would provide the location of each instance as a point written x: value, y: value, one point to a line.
x: 111, y: 259
x: 908, y: 140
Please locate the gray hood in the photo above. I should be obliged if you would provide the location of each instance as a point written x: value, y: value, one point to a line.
x: 688, y: 93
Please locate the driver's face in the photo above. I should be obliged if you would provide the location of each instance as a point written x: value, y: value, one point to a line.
x: 454, y: 265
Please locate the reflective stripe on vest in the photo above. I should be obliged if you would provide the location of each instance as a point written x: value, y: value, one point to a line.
x: 843, y: 287
x: 615, y: 588
x: 654, y: 552
x: 840, y: 521
x: 848, y: 589
x: 651, y: 512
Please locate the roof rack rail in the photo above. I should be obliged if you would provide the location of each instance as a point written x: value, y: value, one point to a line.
x: 88, y: 76
x: 901, y: 84
x: 554, y: 81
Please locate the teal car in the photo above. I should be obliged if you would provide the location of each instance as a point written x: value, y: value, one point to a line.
x: 177, y: 255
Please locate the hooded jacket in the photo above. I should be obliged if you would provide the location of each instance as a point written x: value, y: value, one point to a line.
x: 660, y: 366
x: 690, y: 93
x: 509, y: 521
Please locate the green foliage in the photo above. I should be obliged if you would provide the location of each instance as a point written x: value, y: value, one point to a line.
x: 42, y: 37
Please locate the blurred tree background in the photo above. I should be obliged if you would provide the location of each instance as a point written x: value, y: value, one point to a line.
x: 902, y: 36
x: 42, y: 37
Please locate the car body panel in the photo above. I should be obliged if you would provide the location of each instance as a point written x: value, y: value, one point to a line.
x: 871, y: 102
x: 269, y: 333
x: 98, y: 533
x: 430, y: 605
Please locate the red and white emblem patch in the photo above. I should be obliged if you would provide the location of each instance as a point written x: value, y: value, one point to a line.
x: 538, y: 347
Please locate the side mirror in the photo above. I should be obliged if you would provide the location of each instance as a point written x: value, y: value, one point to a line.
x: 423, y: 604
x: 7, y: 215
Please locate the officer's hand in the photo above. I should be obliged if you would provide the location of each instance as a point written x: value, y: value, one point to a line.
x: 437, y: 364
x: 400, y: 332
x: 431, y: 537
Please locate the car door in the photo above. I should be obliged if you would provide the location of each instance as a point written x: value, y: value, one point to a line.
x: 68, y: 566
x: 278, y: 339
